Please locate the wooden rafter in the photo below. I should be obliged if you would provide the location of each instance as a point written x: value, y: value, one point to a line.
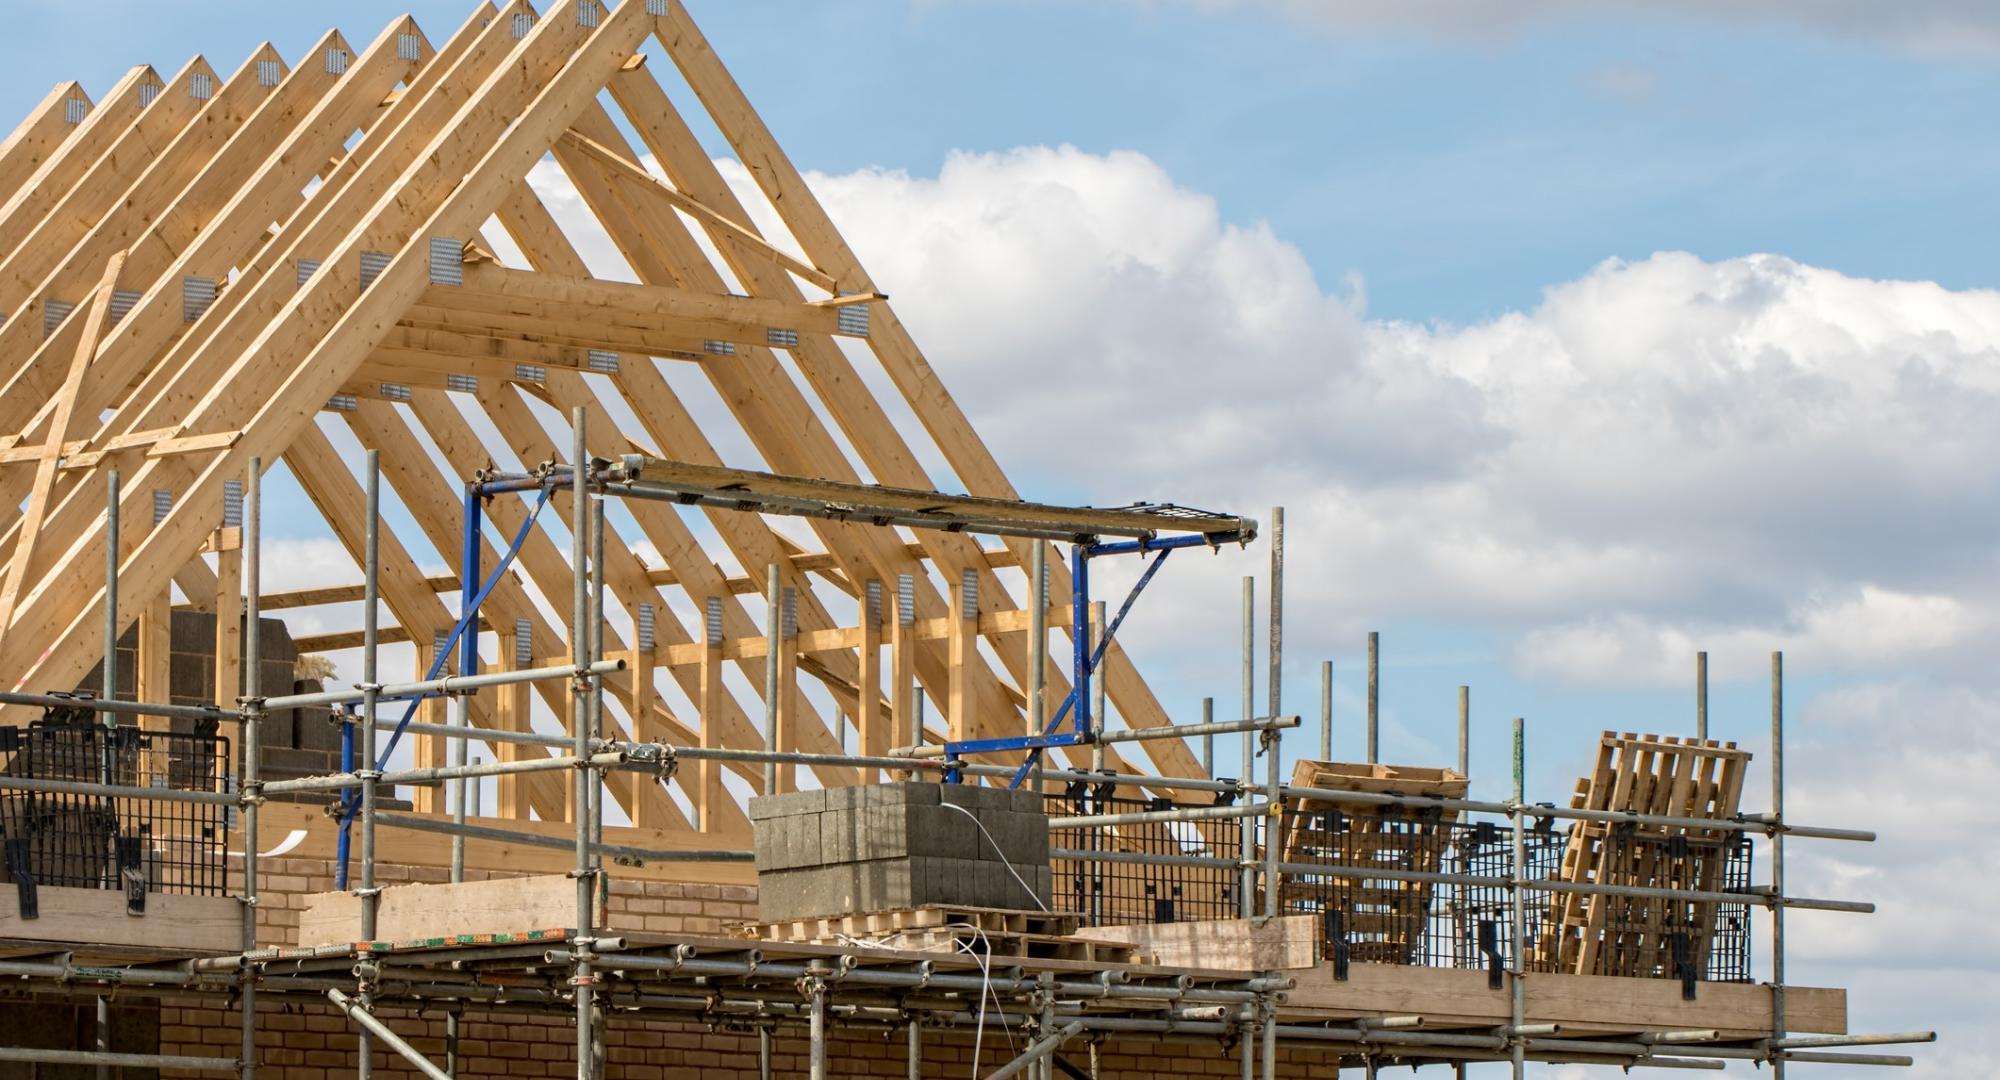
x: 272, y: 274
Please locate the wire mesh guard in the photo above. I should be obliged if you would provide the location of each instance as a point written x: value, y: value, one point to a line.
x: 139, y: 845
x: 1393, y: 920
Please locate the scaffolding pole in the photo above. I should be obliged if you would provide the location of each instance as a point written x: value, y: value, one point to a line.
x: 1778, y: 859
x: 587, y: 1055
x: 1518, y: 908
x: 252, y: 707
x: 371, y: 642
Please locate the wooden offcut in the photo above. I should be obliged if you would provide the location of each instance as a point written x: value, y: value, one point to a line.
x: 422, y: 912
x: 1288, y: 942
x: 97, y: 922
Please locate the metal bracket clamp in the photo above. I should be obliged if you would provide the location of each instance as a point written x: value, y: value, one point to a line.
x: 664, y: 760
x: 22, y: 871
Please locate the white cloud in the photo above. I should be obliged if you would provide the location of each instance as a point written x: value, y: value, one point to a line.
x: 1750, y: 452
x: 1737, y: 455
x: 1941, y: 25
x: 1869, y: 630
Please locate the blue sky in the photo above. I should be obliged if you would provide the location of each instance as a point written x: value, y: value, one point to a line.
x: 1458, y: 175
x: 1535, y: 472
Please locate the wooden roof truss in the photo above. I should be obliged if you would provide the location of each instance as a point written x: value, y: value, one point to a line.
x: 198, y: 271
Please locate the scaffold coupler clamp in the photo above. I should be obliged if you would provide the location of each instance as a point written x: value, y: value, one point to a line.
x: 661, y: 757
x: 367, y: 977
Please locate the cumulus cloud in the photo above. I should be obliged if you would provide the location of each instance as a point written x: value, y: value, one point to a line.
x: 1662, y: 455
x: 1749, y: 452
x: 1868, y: 630
x: 1944, y: 25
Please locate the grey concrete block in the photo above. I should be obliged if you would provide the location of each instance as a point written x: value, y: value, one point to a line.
x: 809, y: 892
x: 935, y: 880
x: 1016, y: 890
x: 1034, y: 839
x: 990, y: 886
x: 885, y: 832
x: 1022, y: 837
x: 803, y: 840
x: 973, y: 796
x: 887, y: 885
x: 842, y: 798
x: 943, y: 832
x: 788, y: 843
x: 780, y: 895
x: 839, y: 835
x: 787, y: 804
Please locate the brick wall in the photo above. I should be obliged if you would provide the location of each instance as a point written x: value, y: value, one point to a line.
x: 319, y: 1044
x: 299, y: 1042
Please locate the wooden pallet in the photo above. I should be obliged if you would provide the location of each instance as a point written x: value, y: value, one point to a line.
x: 1382, y: 919
x: 1645, y: 774
x: 1002, y: 932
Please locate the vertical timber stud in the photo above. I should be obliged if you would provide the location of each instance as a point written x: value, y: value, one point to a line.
x: 229, y: 555
x: 1374, y: 697
x: 708, y: 782
x: 1777, y: 858
x: 156, y: 626
x: 788, y: 685
x: 964, y: 644
x: 773, y: 600
x: 430, y: 750
x: 517, y: 653
x: 429, y: 747
x: 249, y: 517
x: 639, y: 690
x: 903, y: 661
x: 873, y: 733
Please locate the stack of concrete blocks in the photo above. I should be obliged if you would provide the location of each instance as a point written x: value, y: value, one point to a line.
x: 897, y: 847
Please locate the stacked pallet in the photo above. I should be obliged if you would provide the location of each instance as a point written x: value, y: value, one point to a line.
x: 995, y: 932
x: 1642, y: 936
x: 1375, y: 919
